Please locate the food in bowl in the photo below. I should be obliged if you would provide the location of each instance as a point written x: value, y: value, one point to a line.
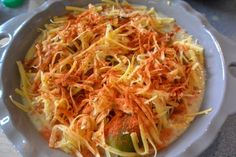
x: 114, y: 79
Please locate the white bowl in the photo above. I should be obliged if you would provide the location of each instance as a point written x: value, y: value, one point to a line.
x: 220, y: 86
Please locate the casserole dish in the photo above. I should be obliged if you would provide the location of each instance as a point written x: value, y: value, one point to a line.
x: 202, y: 131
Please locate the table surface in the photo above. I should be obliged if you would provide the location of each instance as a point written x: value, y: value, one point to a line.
x: 221, y: 14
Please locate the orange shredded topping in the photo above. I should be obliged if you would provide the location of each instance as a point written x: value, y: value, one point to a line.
x: 110, y: 59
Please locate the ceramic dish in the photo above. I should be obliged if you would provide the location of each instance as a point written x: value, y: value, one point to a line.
x: 220, y: 86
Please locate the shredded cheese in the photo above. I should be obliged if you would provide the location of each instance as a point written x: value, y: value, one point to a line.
x: 112, y: 58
